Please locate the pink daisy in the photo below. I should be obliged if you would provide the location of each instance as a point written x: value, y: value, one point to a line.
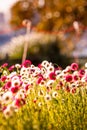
x: 26, y: 63
x: 52, y: 76
x: 3, y: 78
x: 75, y: 77
x: 8, y: 85
x: 68, y: 78
x: 5, y: 65
x: 81, y: 73
x: 14, y: 89
x: 74, y: 66
x: 19, y: 102
x: 11, y: 68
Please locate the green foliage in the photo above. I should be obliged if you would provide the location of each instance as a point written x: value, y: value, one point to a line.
x: 65, y: 112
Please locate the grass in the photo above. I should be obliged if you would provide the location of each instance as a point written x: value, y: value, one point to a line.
x: 65, y: 112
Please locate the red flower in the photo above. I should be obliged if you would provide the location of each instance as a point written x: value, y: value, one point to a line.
x: 52, y: 76
x: 19, y: 102
x: 26, y: 63
x: 81, y: 73
x: 39, y: 66
x: 68, y: 78
x: 75, y: 77
x: 67, y: 89
x: 3, y: 78
x: 14, y: 89
x: 74, y: 66
x: 73, y: 90
x: 39, y: 80
x: 27, y: 87
x: 8, y: 85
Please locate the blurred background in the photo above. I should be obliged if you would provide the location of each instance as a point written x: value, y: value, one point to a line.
x: 58, y: 31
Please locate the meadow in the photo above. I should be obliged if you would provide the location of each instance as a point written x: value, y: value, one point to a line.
x: 43, y: 97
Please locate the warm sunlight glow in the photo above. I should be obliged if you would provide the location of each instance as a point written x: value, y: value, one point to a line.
x: 6, y: 4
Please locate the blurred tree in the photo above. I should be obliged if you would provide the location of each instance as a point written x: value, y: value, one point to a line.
x: 54, y: 14
x: 59, y: 14
x: 21, y: 10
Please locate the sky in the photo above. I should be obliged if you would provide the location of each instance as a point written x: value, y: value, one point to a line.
x: 5, y: 5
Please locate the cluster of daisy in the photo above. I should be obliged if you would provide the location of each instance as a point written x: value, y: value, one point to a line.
x: 44, y: 81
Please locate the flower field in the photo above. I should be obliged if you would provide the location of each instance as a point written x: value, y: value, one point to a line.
x: 43, y: 97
